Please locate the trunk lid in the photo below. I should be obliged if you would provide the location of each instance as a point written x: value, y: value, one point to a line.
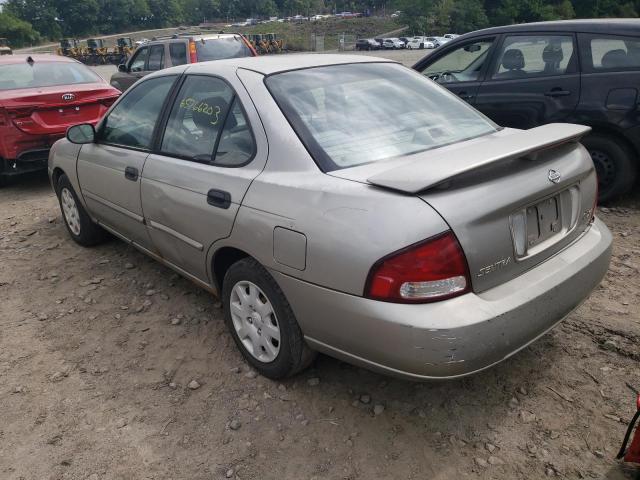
x: 51, y: 110
x: 513, y: 198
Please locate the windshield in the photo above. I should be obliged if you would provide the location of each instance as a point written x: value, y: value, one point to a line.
x: 221, y: 48
x: 44, y: 74
x: 348, y: 115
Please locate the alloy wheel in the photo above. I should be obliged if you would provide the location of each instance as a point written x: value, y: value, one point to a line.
x: 255, y: 322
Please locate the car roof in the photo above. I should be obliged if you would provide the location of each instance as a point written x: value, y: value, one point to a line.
x: 611, y: 26
x: 43, y: 57
x: 193, y: 36
x: 270, y: 64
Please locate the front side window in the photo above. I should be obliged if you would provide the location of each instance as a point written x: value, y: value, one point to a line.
x: 614, y: 53
x: 178, y: 53
x: 464, y: 64
x: 196, y: 118
x: 133, y: 119
x: 348, y: 115
x: 523, y: 56
x: 156, y: 58
x: 139, y: 59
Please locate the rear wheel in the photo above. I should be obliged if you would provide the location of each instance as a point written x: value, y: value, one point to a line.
x: 261, y: 321
x: 79, y: 225
x: 614, y: 165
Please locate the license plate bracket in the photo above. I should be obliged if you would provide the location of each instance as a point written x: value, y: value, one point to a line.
x: 538, y: 225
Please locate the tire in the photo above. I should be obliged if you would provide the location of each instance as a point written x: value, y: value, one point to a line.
x: 272, y: 359
x: 79, y: 225
x: 615, y: 165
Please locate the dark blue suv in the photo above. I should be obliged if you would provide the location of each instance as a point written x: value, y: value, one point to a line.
x: 576, y: 71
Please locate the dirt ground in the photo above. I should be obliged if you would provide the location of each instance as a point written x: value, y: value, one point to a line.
x: 98, y: 347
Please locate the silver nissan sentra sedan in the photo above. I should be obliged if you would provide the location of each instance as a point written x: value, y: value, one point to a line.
x: 345, y: 205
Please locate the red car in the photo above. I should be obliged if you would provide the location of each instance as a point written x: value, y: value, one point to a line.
x: 40, y: 97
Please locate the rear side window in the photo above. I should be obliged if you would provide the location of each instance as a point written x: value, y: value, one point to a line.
x: 178, y: 53
x: 523, y: 56
x: 156, y: 58
x: 221, y: 48
x: 206, y: 118
x: 133, y: 119
x: 196, y: 118
x: 614, y: 53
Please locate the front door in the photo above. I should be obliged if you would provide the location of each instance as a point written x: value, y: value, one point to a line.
x: 459, y: 68
x: 109, y: 169
x: 192, y: 189
x: 533, y: 80
x: 135, y: 69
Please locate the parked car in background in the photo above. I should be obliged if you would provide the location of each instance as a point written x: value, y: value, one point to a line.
x: 367, y: 44
x: 5, y: 49
x: 417, y: 43
x: 579, y: 71
x: 40, y: 97
x: 352, y: 242
x: 392, y: 43
x: 435, y: 40
x: 179, y: 49
x: 451, y: 36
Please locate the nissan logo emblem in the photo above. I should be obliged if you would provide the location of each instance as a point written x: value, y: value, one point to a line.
x: 67, y: 97
x: 554, y: 176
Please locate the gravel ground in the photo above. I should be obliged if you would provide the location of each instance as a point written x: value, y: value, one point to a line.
x: 113, y: 367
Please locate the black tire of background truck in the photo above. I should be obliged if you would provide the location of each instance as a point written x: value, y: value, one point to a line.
x: 615, y: 165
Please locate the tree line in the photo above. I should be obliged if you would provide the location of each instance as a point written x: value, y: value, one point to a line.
x: 31, y: 21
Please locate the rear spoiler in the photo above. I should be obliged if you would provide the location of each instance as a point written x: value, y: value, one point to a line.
x: 414, y: 177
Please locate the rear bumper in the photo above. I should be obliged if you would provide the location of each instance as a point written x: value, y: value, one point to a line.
x: 25, y: 153
x: 455, y: 337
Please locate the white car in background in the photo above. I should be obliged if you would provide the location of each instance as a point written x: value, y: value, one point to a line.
x: 419, y: 43
x: 392, y: 43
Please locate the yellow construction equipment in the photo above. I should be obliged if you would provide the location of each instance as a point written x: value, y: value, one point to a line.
x: 5, y: 49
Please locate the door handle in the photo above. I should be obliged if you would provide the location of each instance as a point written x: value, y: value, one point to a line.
x: 465, y: 96
x: 131, y: 173
x: 219, y: 198
x: 558, y: 92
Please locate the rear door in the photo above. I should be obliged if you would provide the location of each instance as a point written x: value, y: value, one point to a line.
x: 109, y: 169
x: 610, y: 77
x: 460, y: 68
x: 208, y: 156
x: 534, y: 79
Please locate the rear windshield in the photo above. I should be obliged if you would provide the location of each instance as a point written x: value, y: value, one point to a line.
x: 221, y: 48
x: 348, y: 115
x: 44, y: 74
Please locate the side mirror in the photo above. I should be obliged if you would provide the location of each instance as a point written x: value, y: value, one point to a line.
x: 81, y: 134
x: 472, y: 48
x: 122, y: 68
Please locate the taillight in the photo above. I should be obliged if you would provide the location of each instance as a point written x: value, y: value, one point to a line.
x: 193, y: 54
x: 428, y: 271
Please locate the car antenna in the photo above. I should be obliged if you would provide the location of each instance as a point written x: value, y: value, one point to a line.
x: 30, y: 60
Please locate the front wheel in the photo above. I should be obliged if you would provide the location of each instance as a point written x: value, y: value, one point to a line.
x: 614, y: 163
x: 79, y: 225
x: 261, y: 321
